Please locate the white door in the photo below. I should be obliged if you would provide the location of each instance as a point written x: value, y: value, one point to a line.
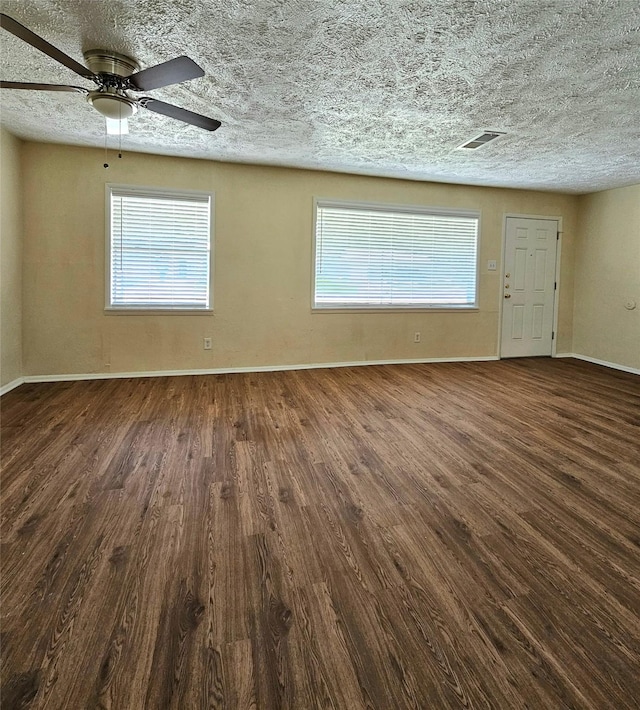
x: 528, y: 287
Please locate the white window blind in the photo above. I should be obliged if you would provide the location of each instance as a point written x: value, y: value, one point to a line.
x: 160, y: 248
x: 370, y: 257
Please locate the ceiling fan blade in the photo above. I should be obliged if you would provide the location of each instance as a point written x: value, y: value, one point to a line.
x: 180, y: 114
x: 9, y: 24
x: 41, y: 87
x: 174, y: 71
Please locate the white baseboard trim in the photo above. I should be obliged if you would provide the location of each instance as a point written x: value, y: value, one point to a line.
x: 235, y: 370
x: 604, y: 363
x: 11, y: 385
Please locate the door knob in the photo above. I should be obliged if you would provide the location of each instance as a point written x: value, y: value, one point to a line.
x: 507, y: 295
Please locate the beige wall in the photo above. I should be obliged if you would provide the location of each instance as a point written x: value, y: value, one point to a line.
x: 607, y: 275
x: 10, y: 259
x: 263, y: 243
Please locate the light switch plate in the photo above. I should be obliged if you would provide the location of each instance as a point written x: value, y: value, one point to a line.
x: 492, y: 265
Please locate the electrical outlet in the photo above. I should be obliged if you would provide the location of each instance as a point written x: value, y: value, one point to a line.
x: 207, y: 344
x: 416, y: 337
x: 492, y: 265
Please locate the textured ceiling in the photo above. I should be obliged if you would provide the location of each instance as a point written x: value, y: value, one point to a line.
x: 381, y: 87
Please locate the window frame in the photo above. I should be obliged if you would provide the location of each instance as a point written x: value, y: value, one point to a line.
x: 109, y: 308
x: 402, y: 208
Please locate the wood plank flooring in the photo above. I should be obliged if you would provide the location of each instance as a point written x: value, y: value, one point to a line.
x: 461, y: 535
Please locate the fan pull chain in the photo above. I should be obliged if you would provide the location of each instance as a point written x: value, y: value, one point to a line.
x: 120, y: 131
x: 106, y: 165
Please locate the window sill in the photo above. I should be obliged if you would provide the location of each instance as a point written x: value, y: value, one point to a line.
x: 158, y: 311
x: 417, y: 309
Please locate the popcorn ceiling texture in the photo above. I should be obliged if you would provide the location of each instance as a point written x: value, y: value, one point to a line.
x: 384, y: 87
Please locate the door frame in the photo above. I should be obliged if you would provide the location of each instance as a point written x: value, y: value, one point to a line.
x: 556, y: 298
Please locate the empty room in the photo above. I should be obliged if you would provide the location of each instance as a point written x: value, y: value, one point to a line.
x: 320, y: 354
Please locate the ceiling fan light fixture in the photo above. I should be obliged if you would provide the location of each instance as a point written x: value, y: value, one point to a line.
x: 112, y: 105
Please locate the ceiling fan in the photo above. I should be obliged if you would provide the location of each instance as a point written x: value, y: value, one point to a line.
x: 115, y: 77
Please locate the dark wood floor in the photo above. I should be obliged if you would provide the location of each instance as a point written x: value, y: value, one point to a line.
x: 419, y: 536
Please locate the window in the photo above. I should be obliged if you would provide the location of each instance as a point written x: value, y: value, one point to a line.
x: 159, y: 249
x: 374, y: 256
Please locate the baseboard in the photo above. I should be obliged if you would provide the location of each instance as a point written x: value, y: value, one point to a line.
x: 235, y: 370
x: 11, y: 385
x: 70, y: 377
x: 604, y: 363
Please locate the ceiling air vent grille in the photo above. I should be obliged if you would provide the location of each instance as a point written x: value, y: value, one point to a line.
x: 481, y: 140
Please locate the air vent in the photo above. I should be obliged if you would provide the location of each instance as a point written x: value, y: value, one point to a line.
x: 481, y: 140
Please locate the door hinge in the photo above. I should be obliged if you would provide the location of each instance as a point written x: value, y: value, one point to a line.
x: 555, y: 285
x: 557, y: 236
x: 553, y: 335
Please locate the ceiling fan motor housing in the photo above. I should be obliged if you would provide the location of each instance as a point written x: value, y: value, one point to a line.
x: 111, y: 100
x: 101, y: 61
